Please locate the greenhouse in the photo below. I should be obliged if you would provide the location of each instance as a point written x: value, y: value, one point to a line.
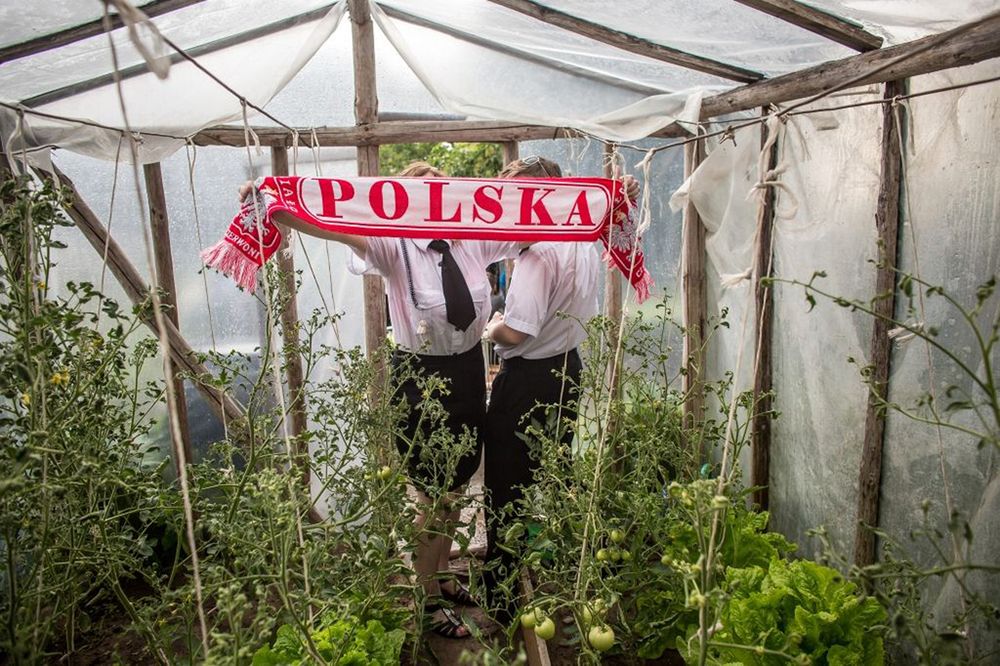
x: 763, y: 425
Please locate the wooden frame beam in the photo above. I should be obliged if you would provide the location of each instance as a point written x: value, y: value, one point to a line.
x: 160, y: 226
x: 630, y: 43
x: 760, y: 429
x: 200, y: 50
x: 522, y: 53
x: 294, y: 374
x: 887, y: 223
x: 85, y: 30
x: 137, y: 291
x: 366, y: 113
x: 967, y: 44
x: 386, y: 132
x: 814, y: 20
x: 695, y: 299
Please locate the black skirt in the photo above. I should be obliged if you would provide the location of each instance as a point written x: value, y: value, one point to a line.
x: 426, y: 438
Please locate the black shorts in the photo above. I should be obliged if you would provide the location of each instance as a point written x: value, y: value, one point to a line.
x: 465, y: 412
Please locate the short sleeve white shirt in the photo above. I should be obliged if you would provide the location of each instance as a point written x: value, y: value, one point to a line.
x: 416, y: 296
x: 553, y: 294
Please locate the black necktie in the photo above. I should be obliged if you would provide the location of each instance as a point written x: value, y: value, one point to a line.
x: 457, y: 299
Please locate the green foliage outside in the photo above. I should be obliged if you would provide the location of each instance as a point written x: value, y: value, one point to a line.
x: 461, y: 160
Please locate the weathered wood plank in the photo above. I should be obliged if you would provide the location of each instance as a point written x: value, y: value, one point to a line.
x: 298, y: 420
x: 630, y: 43
x: 695, y: 305
x: 159, y: 223
x: 389, y: 132
x: 141, y: 68
x: 829, y: 26
x: 964, y: 45
x: 85, y: 30
x: 760, y: 433
x: 887, y: 222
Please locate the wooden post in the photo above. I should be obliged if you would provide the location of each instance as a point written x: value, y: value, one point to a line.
x: 160, y: 225
x: 613, y: 311
x: 694, y: 298
x: 298, y: 420
x: 511, y: 151
x: 887, y: 223
x: 365, y: 113
x: 760, y: 434
x: 537, y: 651
x: 138, y: 291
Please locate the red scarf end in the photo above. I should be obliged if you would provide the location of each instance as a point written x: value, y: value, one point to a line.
x: 229, y: 260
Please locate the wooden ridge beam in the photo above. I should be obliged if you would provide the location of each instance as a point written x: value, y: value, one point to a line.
x: 630, y: 43
x: 138, y: 291
x: 387, y: 132
x: 85, y: 30
x: 814, y: 20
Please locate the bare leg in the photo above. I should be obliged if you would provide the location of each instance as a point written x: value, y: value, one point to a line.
x: 426, y: 555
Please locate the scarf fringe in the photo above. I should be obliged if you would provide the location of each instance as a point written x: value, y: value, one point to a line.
x: 228, y: 260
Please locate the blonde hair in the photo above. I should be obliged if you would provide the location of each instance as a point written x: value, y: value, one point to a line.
x: 531, y: 167
x: 421, y: 170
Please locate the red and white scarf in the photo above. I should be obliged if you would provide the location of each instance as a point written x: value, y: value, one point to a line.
x: 522, y: 209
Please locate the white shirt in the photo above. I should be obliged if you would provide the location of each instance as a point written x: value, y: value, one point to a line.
x: 549, y: 279
x: 424, y: 327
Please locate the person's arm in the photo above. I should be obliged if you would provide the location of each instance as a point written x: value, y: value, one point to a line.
x: 498, y: 331
x: 357, y: 243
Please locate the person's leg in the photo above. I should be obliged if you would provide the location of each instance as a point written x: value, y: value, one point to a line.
x: 449, y: 585
x: 431, y: 524
x: 508, y: 468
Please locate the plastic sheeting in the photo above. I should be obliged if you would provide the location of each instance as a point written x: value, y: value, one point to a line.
x: 950, y: 239
x: 473, y: 57
x: 187, y: 101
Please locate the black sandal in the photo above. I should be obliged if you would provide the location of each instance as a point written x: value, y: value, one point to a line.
x: 460, y: 595
x: 449, y: 625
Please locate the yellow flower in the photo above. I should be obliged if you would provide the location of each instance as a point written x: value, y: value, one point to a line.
x: 59, y: 379
x: 26, y: 399
x: 41, y: 285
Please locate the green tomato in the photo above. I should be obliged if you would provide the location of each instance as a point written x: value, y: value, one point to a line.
x: 617, y: 536
x: 603, y: 555
x: 626, y: 555
x: 529, y: 619
x: 601, y: 638
x: 385, y: 472
x: 586, y: 615
x: 666, y: 560
x: 614, y: 554
x: 545, y: 629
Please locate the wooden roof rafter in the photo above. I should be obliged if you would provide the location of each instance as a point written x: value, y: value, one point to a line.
x: 200, y: 50
x: 630, y: 43
x: 521, y: 53
x: 814, y: 20
x: 85, y: 30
